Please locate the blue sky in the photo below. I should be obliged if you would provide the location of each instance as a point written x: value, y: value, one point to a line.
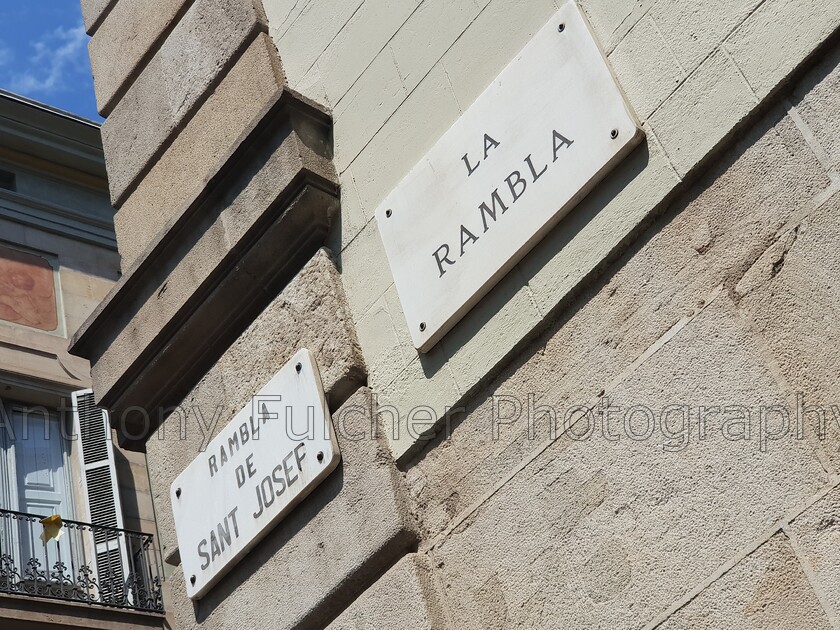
x: 43, y: 54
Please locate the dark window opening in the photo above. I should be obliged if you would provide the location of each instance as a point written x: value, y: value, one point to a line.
x: 7, y: 180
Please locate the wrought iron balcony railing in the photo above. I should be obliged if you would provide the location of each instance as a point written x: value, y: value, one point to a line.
x: 92, y: 564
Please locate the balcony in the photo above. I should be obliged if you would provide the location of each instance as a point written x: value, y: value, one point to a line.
x: 87, y: 564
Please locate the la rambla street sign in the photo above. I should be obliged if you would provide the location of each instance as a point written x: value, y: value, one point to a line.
x: 270, y: 456
x: 532, y: 145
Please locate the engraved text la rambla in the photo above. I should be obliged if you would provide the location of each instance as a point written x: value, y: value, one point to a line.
x: 490, y: 210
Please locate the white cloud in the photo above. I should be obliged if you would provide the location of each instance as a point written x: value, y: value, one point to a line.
x: 58, y: 55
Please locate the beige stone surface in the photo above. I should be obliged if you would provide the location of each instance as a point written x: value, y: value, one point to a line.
x: 715, y: 98
x: 366, y: 107
x: 648, y: 69
x: 331, y: 548
x: 125, y: 38
x: 365, y: 34
x: 403, y: 598
x: 380, y: 165
x: 302, y: 31
x: 93, y: 12
x: 600, y: 533
x: 815, y: 99
x: 612, y: 19
x: 792, y: 304
x: 691, y: 30
x: 817, y: 537
x: 772, y: 174
x: 223, y: 117
x: 352, y: 219
x: 165, y: 95
x: 778, y: 36
x: 767, y: 590
x: 497, y: 34
x: 436, y: 23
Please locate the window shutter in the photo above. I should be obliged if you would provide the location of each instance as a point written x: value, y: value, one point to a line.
x: 99, y: 486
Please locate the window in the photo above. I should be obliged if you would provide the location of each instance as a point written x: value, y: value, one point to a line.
x: 7, y: 180
x: 43, y: 457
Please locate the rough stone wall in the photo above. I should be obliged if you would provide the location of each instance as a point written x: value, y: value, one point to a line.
x: 700, y: 272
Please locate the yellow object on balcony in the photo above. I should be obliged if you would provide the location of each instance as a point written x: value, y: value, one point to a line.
x: 52, y: 528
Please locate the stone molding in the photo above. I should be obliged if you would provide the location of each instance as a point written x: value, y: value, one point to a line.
x: 224, y: 256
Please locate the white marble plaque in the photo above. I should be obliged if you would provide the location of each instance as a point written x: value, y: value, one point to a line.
x: 533, y: 144
x: 273, y: 453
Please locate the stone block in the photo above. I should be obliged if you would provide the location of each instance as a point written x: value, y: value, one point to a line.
x: 359, y: 42
x: 612, y: 19
x: 245, y: 91
x: 645, y: 67
x: 260, y: 218
x: 401, y: 142
x: 353, y: 218
x: 599, y: 531
x: 302, y: 33
x: 311, y: 312
x: 694, y: 31
x: 491, y: 330
x: 379, y: 338
x: 194, y: 57
x: 437, y: 24
x: 363, y: 254
x: 331, y: 548
x: 402, y: 598
x: 366, y: 106
x: 419, y: 398
x: 778, y: 37
x: 816, y: 102
x: 816, y: 533
x: 767, y: 590
x: 125, y: 38
x: 94, y: 11
x: 500, y: 31
x: 702, y: 112
x: 792, y: 290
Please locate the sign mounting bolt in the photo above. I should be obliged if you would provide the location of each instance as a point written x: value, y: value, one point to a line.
x: 320, y: 456
x: 192, y: 579
x: 561, y: 27
x: 298, y: 368
x: 178, y: 492
x: 422, y: 326
x: 614, y: 134
x: 388, y: 213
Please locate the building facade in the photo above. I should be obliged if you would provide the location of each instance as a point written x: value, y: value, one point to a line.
x: 58, y: 260
x: 629, y: 420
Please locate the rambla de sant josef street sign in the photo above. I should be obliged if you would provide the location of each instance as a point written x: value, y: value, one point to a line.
x: 267, y: 459
x: 532, y: 145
